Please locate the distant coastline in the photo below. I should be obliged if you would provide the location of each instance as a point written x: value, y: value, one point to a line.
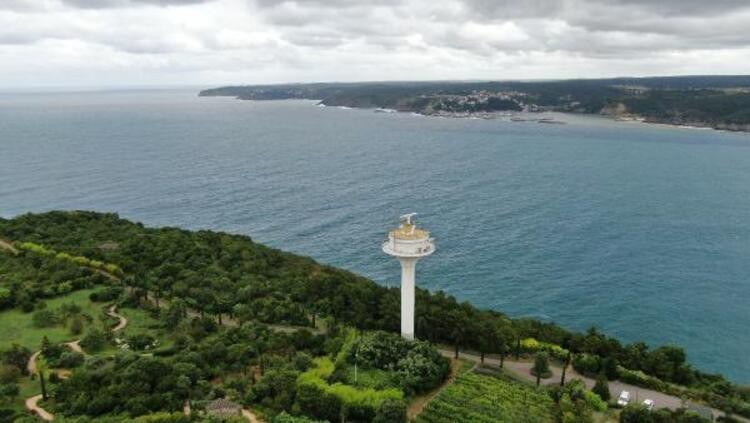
x: 716, y: 102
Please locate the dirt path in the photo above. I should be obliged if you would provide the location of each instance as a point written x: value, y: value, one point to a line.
x: 112, y: 312
x: 252, y: 418
x: 522, y: 370
x: 75, y: 346
x: 416, y: 407
x: 31, y: 365
x: 31, y: 404
x: 5, y: 245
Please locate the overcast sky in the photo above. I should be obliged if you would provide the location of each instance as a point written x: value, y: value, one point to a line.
x: 89, y: 43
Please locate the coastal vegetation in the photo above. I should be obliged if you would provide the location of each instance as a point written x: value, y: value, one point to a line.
x: 215, y: 315
x: 721, y: 102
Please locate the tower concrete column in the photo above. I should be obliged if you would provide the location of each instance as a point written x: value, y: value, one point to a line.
x: 408, y: 271
x: 408, y: 244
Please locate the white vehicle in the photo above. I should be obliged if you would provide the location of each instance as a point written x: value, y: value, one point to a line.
x: 649, y: 404
x: 624, y: 399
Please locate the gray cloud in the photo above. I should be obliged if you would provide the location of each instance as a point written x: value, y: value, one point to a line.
x: 106, y: 4
x: 268, y: 40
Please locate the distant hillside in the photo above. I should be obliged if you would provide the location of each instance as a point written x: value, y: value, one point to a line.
x: 721, y: 102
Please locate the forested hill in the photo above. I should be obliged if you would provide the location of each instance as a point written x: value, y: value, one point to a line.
x: 220, y: 275
x: 712, y: 101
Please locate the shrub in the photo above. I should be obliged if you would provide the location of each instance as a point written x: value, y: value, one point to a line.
x: 9, y: 373
x: 638, y: 378
x: 587, y: 364
x: 636, y: 414
x: 8, y: 390
x: 541, y: 365
x: 284, y: 417
x: 140, y: 341
x: 107, y: 294
x: 44, y: 318
x: 94, y: 340
x: 315, y: 396
x: 531, y: 346
x: 419, y: 365
x: 76, y: 325
x: 602, y: 387
x: 391, y: 411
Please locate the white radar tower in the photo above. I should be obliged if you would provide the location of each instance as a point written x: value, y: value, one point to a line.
x: 408, y: 244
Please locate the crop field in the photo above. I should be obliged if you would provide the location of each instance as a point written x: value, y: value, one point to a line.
x: 482, y: 398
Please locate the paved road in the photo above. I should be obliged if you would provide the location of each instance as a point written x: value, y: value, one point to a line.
x: 522, y: 370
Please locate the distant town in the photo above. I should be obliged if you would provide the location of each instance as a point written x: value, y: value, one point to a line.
x: 719, y: 102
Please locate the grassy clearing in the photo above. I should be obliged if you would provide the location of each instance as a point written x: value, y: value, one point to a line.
x: 17, y: 327
x: 481, y: 398
x: 140, y: 321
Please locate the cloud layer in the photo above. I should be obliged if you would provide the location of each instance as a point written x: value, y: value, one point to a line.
x: 208, y: 42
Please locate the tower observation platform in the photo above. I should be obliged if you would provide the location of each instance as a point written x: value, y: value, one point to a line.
x: 408, y: 244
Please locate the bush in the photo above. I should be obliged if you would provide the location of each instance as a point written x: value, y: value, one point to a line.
x: 602, y: 387
x: 107, y: 294
x: 587, y: 364
x: 284, y: 417
x: 9, y: 374
x: 94, y: 340
x: 419, y: 365
x: 44, y: 318
x: 140, y: 341
x: 8, y: 390
x: 316, y: 397
x: 76, y: 325
x: 541, y: 365
x: 391, y: 411
x: 531, y: 346
x: 638, y: 378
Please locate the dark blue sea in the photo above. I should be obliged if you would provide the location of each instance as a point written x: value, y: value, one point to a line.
x: 640, y: 230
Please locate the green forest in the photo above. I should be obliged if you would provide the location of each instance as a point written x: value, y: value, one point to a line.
x: 217, y: 323
x: 721, y: 102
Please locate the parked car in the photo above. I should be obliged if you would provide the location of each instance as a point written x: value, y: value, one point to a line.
x: 649, y: 404
x: 624, y: 399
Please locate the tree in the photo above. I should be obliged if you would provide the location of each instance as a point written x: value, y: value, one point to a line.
x: 94, y: 340
x: 17, y: 356
x: 601, y: 387
x: 6, y: 298
x: 44, y: 318
x: 636, y: 414
x: 565, y: 368
x: 76, y: 325
x: 41, y: 369
x: 541, y: 366
x: 8, y: 391
x: 459, y: 332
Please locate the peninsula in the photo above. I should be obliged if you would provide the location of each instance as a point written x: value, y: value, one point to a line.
x: 719, y: 102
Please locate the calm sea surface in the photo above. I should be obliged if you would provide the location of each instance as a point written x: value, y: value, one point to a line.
x: 643, y: 231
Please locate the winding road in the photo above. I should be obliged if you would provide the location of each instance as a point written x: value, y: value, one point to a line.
x: 32, y: 403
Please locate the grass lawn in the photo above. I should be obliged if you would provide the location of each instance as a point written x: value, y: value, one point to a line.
x: 140, y: 321
x: 17, y: 327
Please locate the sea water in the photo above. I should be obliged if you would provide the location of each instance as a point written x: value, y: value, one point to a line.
x: 640, y: 230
